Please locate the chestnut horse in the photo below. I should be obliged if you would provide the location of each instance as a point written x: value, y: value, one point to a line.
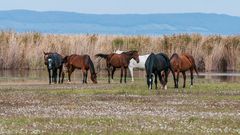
x: 119, y: 61
x: 183, y: 63
x: 82, y: 62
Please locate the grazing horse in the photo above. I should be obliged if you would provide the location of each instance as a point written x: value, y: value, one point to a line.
x: 183, y: 63
x: 82, y: 62
x: 53, y: 61
x: 119, y: 61
x: 134, y: 64
x: 155, y: 64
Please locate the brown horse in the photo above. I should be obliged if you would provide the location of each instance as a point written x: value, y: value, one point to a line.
x: 82, y: 62
x: 119, y: 61
x: 183, y: 63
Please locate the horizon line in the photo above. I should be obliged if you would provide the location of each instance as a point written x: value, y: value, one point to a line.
x: 154, y: 13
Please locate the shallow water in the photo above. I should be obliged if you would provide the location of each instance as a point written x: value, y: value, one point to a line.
x: 41, y: 76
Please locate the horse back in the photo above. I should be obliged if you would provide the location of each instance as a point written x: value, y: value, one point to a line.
x: 162, y: 62
x: 187, y: 61
x: 58, y: 60
x: 77, y: 61
x: 118, y: 60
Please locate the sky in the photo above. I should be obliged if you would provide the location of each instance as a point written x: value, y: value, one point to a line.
x: 229, y: 7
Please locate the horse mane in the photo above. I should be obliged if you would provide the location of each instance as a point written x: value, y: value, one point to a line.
x: 174, y: 55
x: 130, y: 52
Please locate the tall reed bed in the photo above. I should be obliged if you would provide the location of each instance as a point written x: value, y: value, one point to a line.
x: 25, y: 50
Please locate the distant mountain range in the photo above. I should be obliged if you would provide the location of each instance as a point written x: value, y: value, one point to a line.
x: 129, y: 24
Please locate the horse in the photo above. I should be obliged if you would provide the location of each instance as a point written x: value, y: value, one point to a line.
x: 119, y: 61
x: 183, y: 63
x: 82, y: 62
x: 155, y: 64
x: 53, y: 61
x: 133, y: 64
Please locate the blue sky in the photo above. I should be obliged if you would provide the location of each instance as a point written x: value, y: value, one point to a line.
x: 230, y: 7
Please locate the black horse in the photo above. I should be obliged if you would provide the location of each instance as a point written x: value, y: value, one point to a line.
x: 154, y: 66
x: 54, y: 62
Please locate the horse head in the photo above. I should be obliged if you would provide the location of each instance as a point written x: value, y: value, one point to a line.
x: 46, y: 56
x: 150, y: 78
x: 94, y: 77
x: 49, y: 62
x: 135, y: 55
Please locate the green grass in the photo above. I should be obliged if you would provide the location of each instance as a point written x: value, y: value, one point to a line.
x: 129, y: 125
x: 209, y: 107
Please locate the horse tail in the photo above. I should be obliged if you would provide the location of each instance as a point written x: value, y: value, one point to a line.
x: 91, y: 65
x: 102, y: 55
x: 195, y: 67
x: 191, y: 59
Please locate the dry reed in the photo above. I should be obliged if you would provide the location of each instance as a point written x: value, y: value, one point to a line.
x: 25, y: 50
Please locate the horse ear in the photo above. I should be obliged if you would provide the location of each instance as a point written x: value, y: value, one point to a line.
x: 44, y: 53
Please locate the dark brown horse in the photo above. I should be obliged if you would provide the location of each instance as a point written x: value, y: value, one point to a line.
x: 183, y: 63
x: 82, y: 62
x: 119, y: 61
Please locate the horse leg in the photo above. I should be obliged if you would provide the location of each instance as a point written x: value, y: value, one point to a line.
x: 184, y: 79
x: 70, y: 71
x: 60, y: 74
x: 49, y: 76
x: 113, y: 70
x: 108, y: 69
x: 191, y: 72
x: 166, y: 79
x: 121, y: 74
x: 131, y: 72
x: 125, y: 75
x: 155, y: 80
x: 161, y: 80
x: 55, y: 75
x: 86, y: 75
x: 63, y: 75
x: 174, y: 77
x: 177, y: 78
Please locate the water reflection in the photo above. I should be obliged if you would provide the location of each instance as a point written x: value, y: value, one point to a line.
x: 23, y: 76
x: 224, y: 77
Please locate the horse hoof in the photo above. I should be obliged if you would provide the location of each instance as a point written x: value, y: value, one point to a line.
x: 191, y: 86
x: 165, y: 87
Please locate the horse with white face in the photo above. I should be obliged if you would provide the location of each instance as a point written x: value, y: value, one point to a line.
x: 134, y: 64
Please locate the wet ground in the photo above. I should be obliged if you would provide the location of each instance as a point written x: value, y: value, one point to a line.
x: 41, y: 76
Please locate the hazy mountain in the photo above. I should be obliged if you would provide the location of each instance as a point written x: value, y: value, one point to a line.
x: 68, y: 22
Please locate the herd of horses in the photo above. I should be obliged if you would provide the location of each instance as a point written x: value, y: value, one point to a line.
x: 157, y: 66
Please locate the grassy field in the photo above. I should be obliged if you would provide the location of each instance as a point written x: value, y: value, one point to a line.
x: 210, y: 107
